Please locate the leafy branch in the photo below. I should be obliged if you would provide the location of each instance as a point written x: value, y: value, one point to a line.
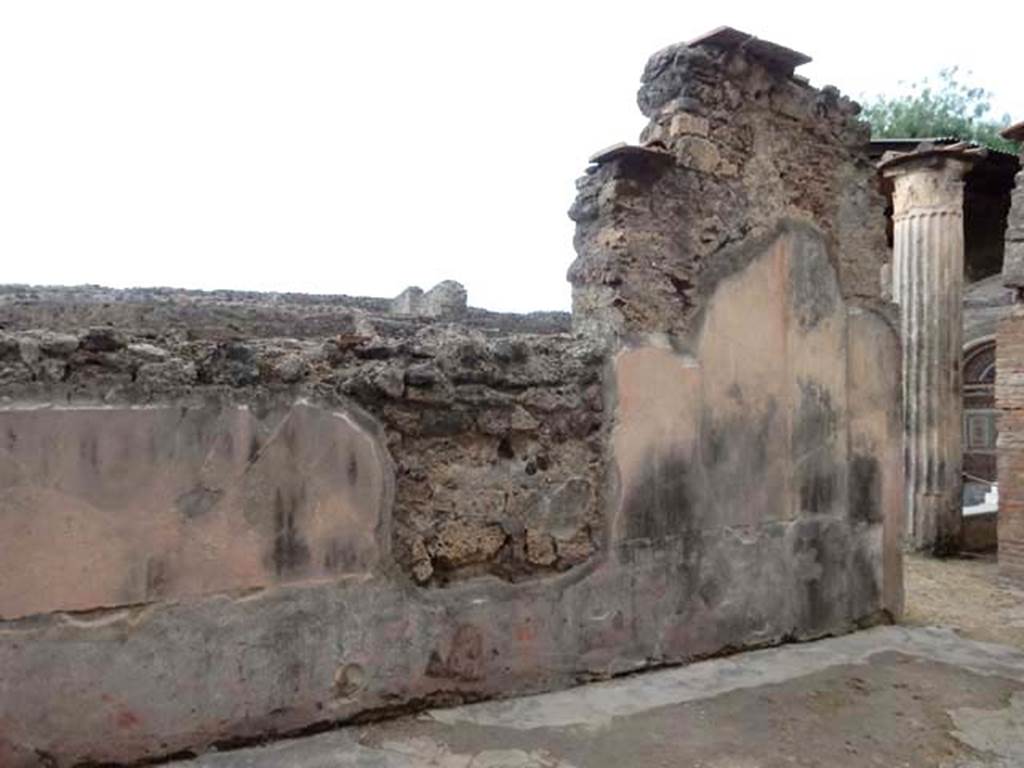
x: 946, y: 106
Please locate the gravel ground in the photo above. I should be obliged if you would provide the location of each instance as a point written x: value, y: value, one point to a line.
x: 967, y: 594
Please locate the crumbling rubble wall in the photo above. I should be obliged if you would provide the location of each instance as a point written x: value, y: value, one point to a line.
x: 735, y: 144
x: 231, y: 516
x: 268, y: 515
x: 496, y: 437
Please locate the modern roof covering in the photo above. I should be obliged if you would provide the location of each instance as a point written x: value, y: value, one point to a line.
x: 964, y: 150
x: 878, y: 147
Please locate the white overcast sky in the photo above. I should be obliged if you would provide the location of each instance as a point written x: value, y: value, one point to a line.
x: 361, y: 147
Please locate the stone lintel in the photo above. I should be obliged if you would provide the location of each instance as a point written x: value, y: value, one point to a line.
x: 630, y: 151
x: 1015, y: 132
x: 773, y: 55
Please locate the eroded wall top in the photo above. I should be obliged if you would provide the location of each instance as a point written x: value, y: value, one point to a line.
x: 493, y: 422
x: 735, y: 143
x: 250, y: 314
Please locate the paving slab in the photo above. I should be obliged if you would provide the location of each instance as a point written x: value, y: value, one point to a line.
x: 888, y: 696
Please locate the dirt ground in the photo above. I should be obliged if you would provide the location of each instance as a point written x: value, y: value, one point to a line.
x: 967, y: 594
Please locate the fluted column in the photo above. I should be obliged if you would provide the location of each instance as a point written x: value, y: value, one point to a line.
x: 927, y: 280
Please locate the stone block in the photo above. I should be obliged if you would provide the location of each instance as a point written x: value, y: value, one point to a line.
x: 447, y: 299
x: 686, y: 124
x: 697, y: 153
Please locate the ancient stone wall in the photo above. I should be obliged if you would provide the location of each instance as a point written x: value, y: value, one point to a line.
x: 735, y: 144
x: 231, y: 516
x: 1013, y: 253
x: 1010, y: 389
x: 496, y: 437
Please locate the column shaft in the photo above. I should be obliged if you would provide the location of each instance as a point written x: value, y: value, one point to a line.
x: 928, y: 264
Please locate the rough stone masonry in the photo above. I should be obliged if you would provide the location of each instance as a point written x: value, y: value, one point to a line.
x: 226, y: 516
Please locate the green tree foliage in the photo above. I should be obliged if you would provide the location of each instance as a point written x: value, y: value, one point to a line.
x: 946, y: 106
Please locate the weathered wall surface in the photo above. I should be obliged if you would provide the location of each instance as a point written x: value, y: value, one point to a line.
x: 1010, y: 445
x: 1013, y: 253
x: 986, y: 302
x: 216, y: 528
x: 496, y: 437
x: 110, y: 506
x: 1010, y: 389
x: 765, y: 445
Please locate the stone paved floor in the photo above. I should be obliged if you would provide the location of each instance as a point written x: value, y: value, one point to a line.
x: 890, y: 696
